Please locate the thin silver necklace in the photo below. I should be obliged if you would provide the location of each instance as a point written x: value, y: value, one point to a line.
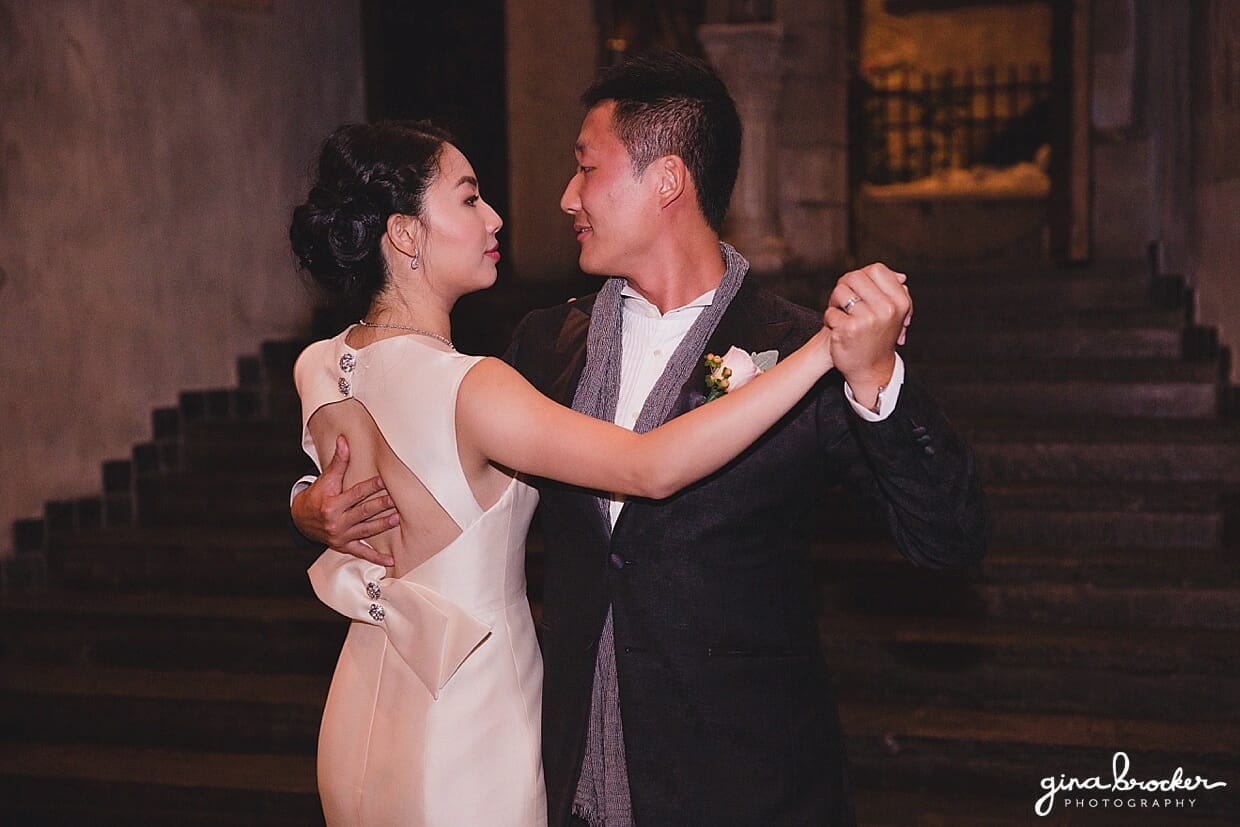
x: 411, y: 329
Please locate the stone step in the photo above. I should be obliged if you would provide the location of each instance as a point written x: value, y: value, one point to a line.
x: 220, y: 404
x: 230, y: 634
x: 1152, y: 652
x: 1179, y: 515
x: 1031, y: 396
x: 984, y: 664
x: 1191, y: 738
x: 1043, y: 513
x: 1013, y: 564
x: 1156, y: 566
x: 1043, y: 388
x: 22, y: 572
x: 255, y: 500
x: 243, y: 446
x: 1114, y: 270
x: 1121, y: 371
x: 936, y: 676
x: 963, y: 751
x: 104, y: 784
x: 1067, y: 290
x: 1133, y: 607
x: 214, y: 711
x: 1004, y: 564
x: 1113, y: 450
x: 966, y: 342
x: 208, y: 560
x: 277, y: 358
x: 1115, y: 587
x: 1050, y: 319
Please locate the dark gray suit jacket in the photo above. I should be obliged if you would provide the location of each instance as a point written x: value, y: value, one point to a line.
x: 728, y: 716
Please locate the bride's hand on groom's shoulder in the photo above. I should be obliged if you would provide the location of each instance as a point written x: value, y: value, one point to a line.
x: 341, y: 518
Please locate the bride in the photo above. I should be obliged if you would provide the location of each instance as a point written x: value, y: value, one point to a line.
x: 433, y: 713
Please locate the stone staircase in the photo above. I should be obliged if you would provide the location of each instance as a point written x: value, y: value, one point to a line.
x: 1107, y: 613
x: 165, y: 663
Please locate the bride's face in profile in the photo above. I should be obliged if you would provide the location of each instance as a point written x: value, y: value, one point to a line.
x: 459, y: 248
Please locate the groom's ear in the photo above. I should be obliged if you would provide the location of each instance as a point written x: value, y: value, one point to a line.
x: 671, y: 179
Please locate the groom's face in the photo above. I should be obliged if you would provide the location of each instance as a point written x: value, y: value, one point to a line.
x: 615, y: 211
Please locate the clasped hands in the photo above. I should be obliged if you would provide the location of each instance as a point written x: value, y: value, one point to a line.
x: 867, y: 315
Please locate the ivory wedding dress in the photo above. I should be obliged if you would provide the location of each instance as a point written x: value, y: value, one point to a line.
x: 433, y: 717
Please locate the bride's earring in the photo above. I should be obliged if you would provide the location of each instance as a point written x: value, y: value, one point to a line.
x: 414, y: 260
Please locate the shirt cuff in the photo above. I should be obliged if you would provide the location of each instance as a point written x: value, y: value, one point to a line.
x: 299, y: 486
x: 886, y: 400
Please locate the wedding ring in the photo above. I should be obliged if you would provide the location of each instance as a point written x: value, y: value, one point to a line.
x: 848, y: 305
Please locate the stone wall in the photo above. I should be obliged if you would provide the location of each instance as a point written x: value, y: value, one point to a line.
x: 1165, y: 116
x: 1123, y: 211
x: 1215, y: 239
x: 552, y: 54
x: 813, y: 132
x: 150, y: 152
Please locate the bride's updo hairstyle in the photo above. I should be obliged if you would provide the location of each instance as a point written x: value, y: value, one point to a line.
x: 366, y: 172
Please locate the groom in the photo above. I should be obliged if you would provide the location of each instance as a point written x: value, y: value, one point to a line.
x: 684, y: 679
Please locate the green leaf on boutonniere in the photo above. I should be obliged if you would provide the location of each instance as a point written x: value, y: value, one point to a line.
x: 765, y: 360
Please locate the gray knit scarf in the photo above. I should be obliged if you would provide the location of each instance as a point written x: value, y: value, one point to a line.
x: 602, y: 797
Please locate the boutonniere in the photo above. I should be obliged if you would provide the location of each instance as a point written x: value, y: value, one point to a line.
x: 734, y: 369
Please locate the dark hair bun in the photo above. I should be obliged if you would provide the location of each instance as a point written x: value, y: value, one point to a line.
x: 334, y: 234
x: 366, y: 173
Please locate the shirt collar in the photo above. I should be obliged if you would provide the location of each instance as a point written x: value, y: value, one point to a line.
x: 636, y: 301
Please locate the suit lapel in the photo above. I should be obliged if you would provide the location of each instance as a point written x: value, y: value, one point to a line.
x: 744, y: 325
x: 570, y: 353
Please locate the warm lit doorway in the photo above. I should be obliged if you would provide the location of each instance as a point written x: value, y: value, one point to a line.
x: 962, y: 144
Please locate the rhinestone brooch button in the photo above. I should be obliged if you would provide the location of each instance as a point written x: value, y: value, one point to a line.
x: 345, y: 387
x: 347, y: 362
x: 376, y: 612
x: 372, y: 590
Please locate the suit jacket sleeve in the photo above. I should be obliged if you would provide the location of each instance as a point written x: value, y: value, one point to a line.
x: 915, y: 469
x: 513, y: 353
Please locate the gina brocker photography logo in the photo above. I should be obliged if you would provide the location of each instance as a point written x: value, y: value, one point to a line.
x: 1179, y: 790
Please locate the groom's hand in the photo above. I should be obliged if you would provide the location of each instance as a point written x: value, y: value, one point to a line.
x: 341, y: 518
x: 869, y: 311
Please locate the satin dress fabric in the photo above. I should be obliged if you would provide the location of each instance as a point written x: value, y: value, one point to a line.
x: 433, y: 716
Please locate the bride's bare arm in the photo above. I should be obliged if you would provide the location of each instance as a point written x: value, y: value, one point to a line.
x: 509, y: 422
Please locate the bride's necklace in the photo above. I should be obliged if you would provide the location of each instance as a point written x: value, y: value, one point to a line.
x: 411, y: 329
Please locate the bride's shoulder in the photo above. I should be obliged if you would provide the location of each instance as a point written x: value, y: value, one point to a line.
x: 313, y: 352
x: 314, y: 359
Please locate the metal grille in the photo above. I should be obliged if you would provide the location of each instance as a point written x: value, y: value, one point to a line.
x: 918, y: 123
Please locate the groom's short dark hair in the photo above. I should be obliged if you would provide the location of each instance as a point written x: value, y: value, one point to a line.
x: 671, y: 104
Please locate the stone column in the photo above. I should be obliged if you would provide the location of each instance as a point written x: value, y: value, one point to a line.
x: 749, y: 58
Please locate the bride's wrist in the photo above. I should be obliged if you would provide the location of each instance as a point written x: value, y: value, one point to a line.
x: 821, y: 349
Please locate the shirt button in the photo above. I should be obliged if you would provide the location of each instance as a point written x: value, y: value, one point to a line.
x: 658, y: 354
